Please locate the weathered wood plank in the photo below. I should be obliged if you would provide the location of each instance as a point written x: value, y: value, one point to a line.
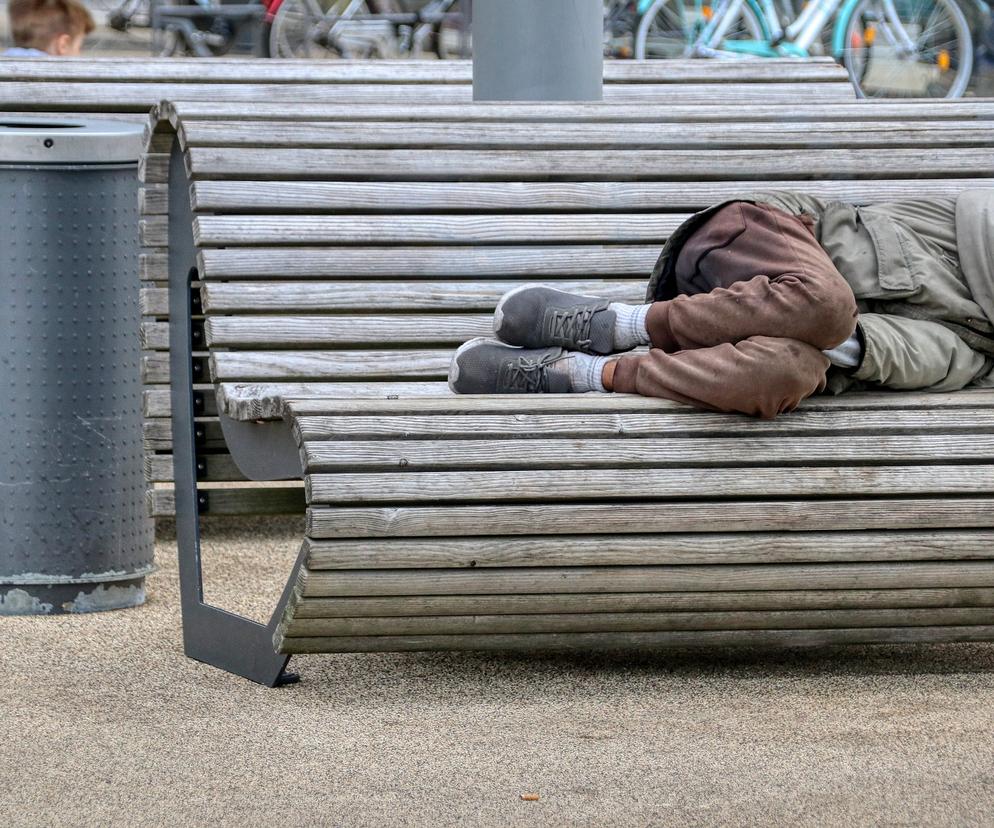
x: 740, y: 134
x: 691, y: 165
x: 153, y: 231
x: 154, y: 336
x: 636, y: 622
x: 614, y: 113
x: 154, y: 301
x: 153, y: 167
x: 610, y: 228
x: 289, y: 297
x: 324, y: 365
x: 217, y: 467
x: 665, y: 484
x: 643, y: 452
x: 673, y: 424
x: 157, y: 435
x: 141, y: 97
x: 386, y: 196
x: 719, y: 578
x: 242, y: 501
x: 153, y: 266
x: 265, y: 401
x: 587, y: 642
x: 440, y: 605
x: 153, y: 199
x: 650, y: 549
x: 648, y: 517
x: 268, y: 401
x: 568, y: 403
x: 156, y: 402
x: 459, y: 262
x: 318, y: 331
x: 232, y: 70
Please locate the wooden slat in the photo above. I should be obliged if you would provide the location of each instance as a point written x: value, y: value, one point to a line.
x: 323, y: 365
x: 217, y: 467
x: 289, y: 297
x: 644, y: 453
x: 460, y: 262
x: 154, y: 335
x: 318, y: 164
x: 570, y: 403
x: 334, y: 427
x: 254, y: 501
x: 586, y: 642
x: 770, y: 515
x: 232, y: 70
x: 319, y: 331
x: 668, y: 484
x: 154, y: 301
x: 273, y: 400
x: 525, y: 580
x: 650, y: 549
x: 441, y: 605
x: 509, y: 135
x: 636, y: 622
x: 157, y: 435
x: 706, y: 111
x: 623, y: 228
x: 386, y: 196
x: 89, y: 96
x: 265, y: 400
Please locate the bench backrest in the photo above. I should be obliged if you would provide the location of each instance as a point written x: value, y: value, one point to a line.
x: 351, y: 258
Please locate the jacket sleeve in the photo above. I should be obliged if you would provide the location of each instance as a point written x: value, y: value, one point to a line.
x: 912, y: 354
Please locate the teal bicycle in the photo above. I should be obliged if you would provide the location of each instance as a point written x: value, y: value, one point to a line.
x: 891, y: 48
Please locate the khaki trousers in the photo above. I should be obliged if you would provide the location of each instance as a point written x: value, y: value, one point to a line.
x: 759, y: 301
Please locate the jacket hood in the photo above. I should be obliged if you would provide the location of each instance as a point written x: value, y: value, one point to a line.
x: 975, y: 243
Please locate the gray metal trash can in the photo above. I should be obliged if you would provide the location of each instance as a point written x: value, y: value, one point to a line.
x: 74, y: 534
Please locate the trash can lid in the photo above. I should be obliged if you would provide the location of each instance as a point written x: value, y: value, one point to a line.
x: 69, y: 141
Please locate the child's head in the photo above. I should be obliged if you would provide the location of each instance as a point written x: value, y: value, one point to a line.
x: 54, y: 26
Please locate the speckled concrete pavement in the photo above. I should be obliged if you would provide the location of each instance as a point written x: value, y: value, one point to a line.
x: 103, y: 721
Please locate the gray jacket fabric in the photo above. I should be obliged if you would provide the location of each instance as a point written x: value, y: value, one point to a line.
x: 922, y: 272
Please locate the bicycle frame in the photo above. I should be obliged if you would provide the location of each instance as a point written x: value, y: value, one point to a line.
x: 794, y: 41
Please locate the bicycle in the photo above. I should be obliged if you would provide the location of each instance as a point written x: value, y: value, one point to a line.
x: 357, y: 29
x: 669, y: 35
x: 890, y: 48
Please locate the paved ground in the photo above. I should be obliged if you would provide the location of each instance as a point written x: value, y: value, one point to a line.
x: 104, y: 721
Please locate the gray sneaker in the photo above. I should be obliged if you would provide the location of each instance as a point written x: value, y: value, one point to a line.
x: 485, y: 366
x: 536, y: 316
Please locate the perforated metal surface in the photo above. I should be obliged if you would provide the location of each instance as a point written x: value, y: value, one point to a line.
x: 71, y: 482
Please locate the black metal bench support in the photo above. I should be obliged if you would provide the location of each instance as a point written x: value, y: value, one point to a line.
x: 210, y: 634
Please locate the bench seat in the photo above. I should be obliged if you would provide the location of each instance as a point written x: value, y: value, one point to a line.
x: 489, y: 522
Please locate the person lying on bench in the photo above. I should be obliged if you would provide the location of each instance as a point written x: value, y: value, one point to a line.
x: 761, y: 302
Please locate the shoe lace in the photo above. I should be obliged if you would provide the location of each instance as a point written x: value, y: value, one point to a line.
x: 571, y: 327
x: 531, y: 375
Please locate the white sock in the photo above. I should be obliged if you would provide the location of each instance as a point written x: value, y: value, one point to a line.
x: 629, y: 326
x: 586, y: 371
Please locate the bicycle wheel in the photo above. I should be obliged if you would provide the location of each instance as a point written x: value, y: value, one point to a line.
x: 908, y: 49
x: 669, y: 27
x: 309, y: 28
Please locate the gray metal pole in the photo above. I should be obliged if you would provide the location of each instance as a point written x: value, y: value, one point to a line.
x: 538, y: 50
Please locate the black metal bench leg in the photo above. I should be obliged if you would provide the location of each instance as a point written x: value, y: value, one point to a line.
x: 212, y: 635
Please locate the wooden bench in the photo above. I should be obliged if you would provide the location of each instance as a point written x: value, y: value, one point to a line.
x: 397, y: 92
x: 338, y: 268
